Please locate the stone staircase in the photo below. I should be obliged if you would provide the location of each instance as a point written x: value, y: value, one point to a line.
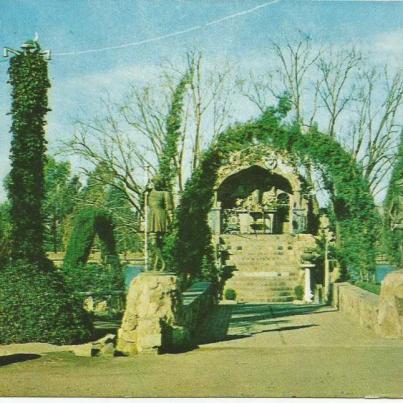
x: 266, y: 266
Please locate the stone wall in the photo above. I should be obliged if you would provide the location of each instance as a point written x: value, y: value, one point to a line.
x: 383, y: 314
x: 361, y: 305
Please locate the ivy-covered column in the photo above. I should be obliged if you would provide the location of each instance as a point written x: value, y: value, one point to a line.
x: 35, y: 303
x: 29, y: 79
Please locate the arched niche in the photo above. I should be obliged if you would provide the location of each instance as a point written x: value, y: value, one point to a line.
x: 243, y: 183
x: 257, y: 174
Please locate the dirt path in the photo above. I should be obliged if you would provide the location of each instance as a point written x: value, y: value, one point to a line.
x: 245, y: 351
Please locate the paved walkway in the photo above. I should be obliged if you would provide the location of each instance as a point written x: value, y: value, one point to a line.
x: 248, y: 350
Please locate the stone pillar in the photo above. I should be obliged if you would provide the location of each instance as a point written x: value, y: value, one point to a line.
x: 307, y: 286
x: 214, y: 220
x: 326, y: 288
x: 151, y: 307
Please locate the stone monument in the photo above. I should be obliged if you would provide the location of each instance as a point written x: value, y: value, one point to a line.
x: 149, y: 320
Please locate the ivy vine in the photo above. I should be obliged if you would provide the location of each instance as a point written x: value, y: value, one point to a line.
x: 392, y: 205
x: 188, y: 249
x: 168, y: 164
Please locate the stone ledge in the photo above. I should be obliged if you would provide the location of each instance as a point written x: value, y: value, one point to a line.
x: 360, y: 304
x: 382, y: 314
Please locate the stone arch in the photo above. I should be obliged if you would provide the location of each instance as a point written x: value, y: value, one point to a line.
x: 188, y: 249
x: 260, y: 167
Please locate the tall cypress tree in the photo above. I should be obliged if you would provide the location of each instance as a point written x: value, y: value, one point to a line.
x: 29, y: 79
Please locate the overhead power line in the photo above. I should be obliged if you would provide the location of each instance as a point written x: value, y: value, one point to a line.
x: 170, y: 35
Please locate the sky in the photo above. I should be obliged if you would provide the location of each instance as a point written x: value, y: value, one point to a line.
x: 100, y: 45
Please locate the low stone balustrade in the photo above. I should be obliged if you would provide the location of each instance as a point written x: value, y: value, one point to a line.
x: 359, y: 304
x: 197, y: 300
x: 383, y: 314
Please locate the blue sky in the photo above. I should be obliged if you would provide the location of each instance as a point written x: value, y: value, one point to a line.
x: 79, y: 80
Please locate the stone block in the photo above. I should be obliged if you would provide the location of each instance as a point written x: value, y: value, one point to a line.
x: 152, y: 304
x: 390, y: 316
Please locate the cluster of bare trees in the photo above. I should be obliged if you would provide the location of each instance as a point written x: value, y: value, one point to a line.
x: 343, y: 93
x: 129, y: 135
x: 337, y: 90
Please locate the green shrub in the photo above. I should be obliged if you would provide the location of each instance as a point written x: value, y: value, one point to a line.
x: 83, y: 277
x: 88, y: 223
x: 371, y: 287
x: 299, y: 292
x: 36, y: 306
x: 95, y: 277
x: 230, y: 294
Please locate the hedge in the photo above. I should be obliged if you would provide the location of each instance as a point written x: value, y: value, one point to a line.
x: 36, y: 306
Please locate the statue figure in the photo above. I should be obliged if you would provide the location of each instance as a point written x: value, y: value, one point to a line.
x: 269, y: 197
x: 252, y: 202
x: 299, y: 223
x: 160, y: 210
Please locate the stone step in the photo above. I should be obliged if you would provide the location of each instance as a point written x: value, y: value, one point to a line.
x: 276, y: 276
x: 259, y: 268
x: 271, y: 295
x: 265, y: 299
x: 262, y: 291
x: 262, y: 248
x: 267, y: 287
x: 273, y: 265
x: 259, y: 286
x: 263, y: 280
x: 274, y: 280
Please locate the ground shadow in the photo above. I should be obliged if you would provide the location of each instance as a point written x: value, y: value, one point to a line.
x: 14, y: 358
x: 231, y: 322
x: 277, y: 329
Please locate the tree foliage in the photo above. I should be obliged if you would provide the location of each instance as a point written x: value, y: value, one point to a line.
x: 5, y: 233
x: 393, y: 210
x: 61, y: 197
x: 100, y: 193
